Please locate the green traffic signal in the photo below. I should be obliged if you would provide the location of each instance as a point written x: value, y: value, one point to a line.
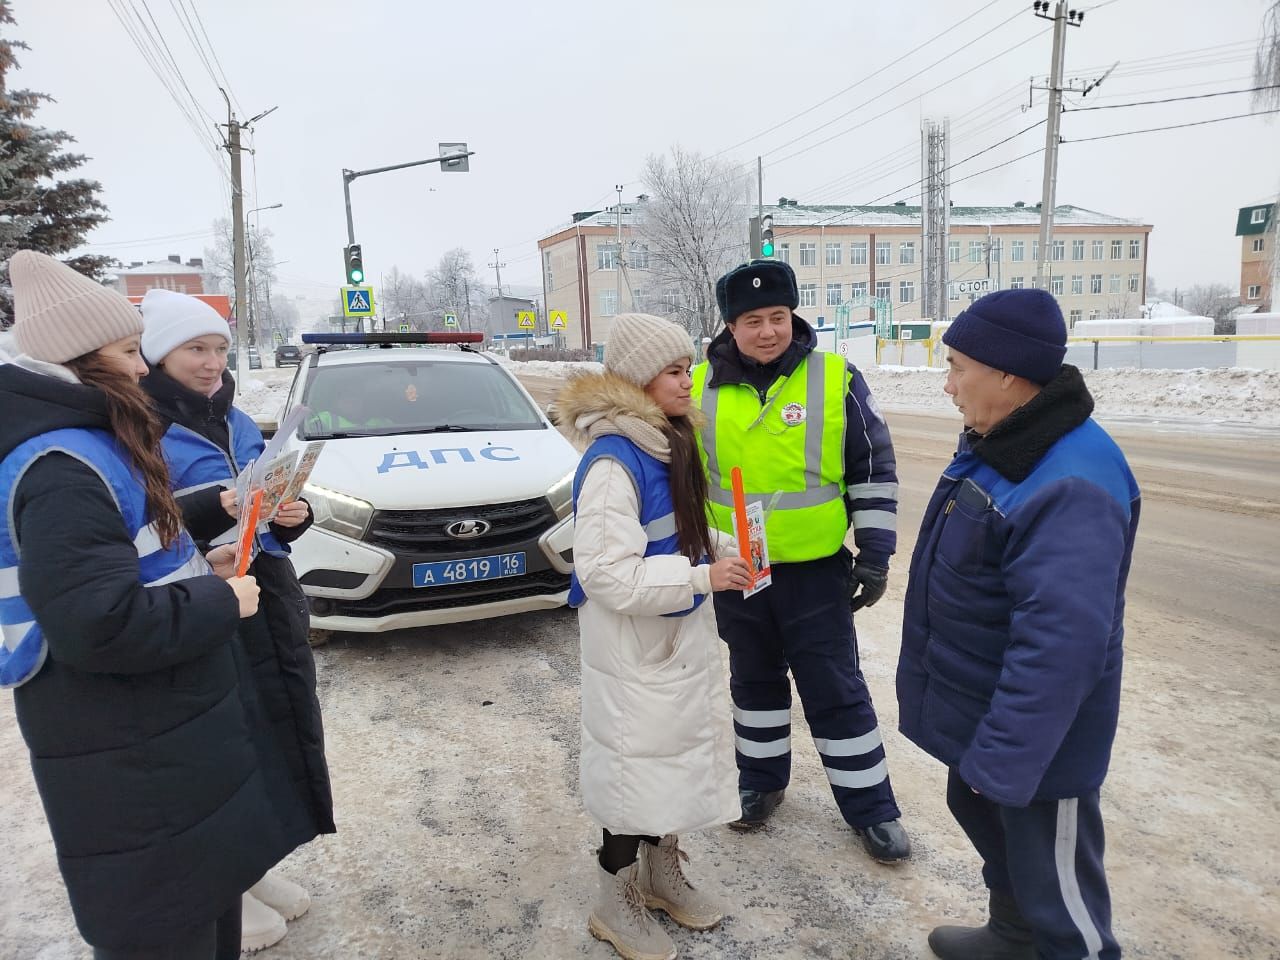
x: 357, y: 275
x: 355, y: 264
x: 766, y: 248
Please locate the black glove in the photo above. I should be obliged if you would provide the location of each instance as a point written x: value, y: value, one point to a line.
x: 869, y: 583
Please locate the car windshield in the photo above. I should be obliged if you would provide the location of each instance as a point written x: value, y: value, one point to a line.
x: 394, y: 397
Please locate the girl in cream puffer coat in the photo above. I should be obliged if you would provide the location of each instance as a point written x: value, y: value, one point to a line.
x: 657, y: 739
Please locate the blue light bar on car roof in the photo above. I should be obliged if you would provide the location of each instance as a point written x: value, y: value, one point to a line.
x: 363, y: 339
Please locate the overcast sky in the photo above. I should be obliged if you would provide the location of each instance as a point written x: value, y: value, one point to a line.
x: 563, y: 99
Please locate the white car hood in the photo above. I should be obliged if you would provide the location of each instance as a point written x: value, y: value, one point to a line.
x: 426, y: 471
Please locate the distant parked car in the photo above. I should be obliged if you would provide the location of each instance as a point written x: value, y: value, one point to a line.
x: 288, y: 355
x: 255, y: 361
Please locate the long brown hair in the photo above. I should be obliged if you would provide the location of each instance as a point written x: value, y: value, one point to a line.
x: 688, y: 491
x: 139, y: 430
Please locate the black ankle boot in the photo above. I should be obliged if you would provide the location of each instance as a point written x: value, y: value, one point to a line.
x: 1005, y: 936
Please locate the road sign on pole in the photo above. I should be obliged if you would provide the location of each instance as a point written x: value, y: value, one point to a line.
x: 974, y: 287
x: 404, y: 328
x: 527, y: 319
x: 559, y: 320
x: 450, y: 319
x: 357, y: 301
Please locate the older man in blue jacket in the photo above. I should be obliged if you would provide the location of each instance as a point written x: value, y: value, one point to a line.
x: 1013, y: 629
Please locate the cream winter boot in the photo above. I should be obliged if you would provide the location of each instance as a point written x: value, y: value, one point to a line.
x: 620, y: 918
x: 665, y: 887
x: 260, y: 926
x: 283, y: 896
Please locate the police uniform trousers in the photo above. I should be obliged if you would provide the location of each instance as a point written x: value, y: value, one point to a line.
x: 802, y: 622
x: 1048, y: 857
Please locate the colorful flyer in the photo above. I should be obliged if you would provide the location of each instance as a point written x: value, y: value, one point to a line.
x: 310, y: 454
x: 275, y: 481
x: 749, y: 530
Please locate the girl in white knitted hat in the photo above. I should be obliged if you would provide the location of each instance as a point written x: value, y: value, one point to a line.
x: 657, y: 743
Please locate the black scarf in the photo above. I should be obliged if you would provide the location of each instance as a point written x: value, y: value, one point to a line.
x: 1017, y: 443
x: 204, y: 415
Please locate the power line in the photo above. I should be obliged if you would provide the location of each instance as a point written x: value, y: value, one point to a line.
x: 189, y: 29
x: 214, y: 53
x: 1176, y: 126
x: 857, y: 83
x: 1145, y: 103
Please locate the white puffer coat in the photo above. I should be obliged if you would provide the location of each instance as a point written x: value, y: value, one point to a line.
x: 657, y: 734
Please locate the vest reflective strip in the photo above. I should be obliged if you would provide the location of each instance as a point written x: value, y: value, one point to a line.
x: 850, y: 747
x: 8, y: 581
x: 860, y: 491
x: 875, y: 520
x: 15, y: 633
x: 661, y: 528
x: 147, y: 541
x: 762, y: 751
x: 199, y: 486
x: 815, y: 377
x: 858, y: 779
x: 763, y: 719
x: 197, y: 566
x: 814, y: 497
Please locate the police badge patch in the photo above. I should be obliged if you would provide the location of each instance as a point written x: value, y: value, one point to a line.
x: 793, y: 414
x: 874, y: 407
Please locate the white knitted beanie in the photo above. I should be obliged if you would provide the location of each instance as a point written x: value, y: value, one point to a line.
x: 60, y: 314
x: 174, y: 318
x: 640, y: 346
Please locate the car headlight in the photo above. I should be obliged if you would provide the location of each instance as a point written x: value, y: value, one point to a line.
x: 338, y: 512
x: 561, y: 496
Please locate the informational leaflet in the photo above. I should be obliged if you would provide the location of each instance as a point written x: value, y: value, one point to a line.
x: 749, y: 530
x: 275, y: 482
x: 306, y: 462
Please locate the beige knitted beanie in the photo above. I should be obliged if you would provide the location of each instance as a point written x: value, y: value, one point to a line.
x: 61, y: 314
x: 640, y: 346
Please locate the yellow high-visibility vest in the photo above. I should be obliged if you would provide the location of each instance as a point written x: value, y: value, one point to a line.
x: 790, y: 449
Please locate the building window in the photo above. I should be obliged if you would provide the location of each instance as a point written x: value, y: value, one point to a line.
x: 1095, y: 283
x: 1114, y: 286
x: 1077, y: 284
x: 1255, y: 291
x: 638, y: 256
x: 952, y: 293
x: 1094, y: 314
x: 809, y: 293
x: 1075, y: 316
x: 1257, y: 244
x: 833, y: 252
x: 975, y: 251
x: 546, y: 270
x: 906, y: 291
x: 784, y: 252
x: 1258, y: 216
x: 1016, y: 283
x: 1117, y: 249
x: 1035, y: 251
x: 1096, y: 249
x: 884, y: 289
x: 808, y: 255
x: 953, y: 251
x: 996, y: 250
x: 1135, y: 249
x: 858, y: 253
x: 833, y: 295
x: 907, y: 252
x: 882, y: 252
x: 608, y: 303
x: 637, y: 298
x: 1077, y: 249
x: 859, y: 290
x: 1055, y: 286
x: 1133, y: 283
x: 1019, y: 251
x: 1059, y: 251
x: 671, y: 300
x: 607, y: 256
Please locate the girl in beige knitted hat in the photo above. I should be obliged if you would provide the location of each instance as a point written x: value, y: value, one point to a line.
x: 120, y: 640
x: 657, y: 743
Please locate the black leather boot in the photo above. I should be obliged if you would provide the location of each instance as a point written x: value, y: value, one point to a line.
x: 1005, y: 936
x: 756, y: 807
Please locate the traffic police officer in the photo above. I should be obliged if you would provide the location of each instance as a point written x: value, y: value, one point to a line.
x: 814, y: 449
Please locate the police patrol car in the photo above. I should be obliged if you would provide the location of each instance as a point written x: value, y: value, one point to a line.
x: 442, y: 493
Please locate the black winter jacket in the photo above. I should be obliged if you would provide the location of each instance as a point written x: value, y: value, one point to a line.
x: 140, y: 724
x: 276, y: 637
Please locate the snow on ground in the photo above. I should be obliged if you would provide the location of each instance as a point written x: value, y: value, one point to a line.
x: 1225, y: 395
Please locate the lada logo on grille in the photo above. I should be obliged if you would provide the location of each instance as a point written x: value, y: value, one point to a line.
x: 468, y: 529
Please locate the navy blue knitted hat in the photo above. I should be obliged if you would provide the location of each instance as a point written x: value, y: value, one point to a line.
x: 1017, y: 331
x: 760, y: 283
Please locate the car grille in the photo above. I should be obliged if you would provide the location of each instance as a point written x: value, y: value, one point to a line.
x: 387, y: 602
x: 422, y: 531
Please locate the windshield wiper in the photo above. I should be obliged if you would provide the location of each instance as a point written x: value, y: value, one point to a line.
x: 443, y: 428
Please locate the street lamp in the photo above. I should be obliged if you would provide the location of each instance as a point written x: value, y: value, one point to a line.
x: 274, y: 206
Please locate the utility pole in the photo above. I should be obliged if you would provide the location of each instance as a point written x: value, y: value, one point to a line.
x: 245, y: 333
x: 497, y: 272
x: 1062, y: 18
x: 935, y: 216
x: 617, y: 266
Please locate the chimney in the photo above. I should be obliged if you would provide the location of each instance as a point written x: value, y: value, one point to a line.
x: 197, y: 262
x: 135, y: 263
x: 175, y: 258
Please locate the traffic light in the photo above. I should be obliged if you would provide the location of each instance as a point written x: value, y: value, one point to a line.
x: 766, y: 235
x: 355, y: 265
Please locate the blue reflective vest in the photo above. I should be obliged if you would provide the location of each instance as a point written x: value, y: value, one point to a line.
x: 25, y: 646
x: 196, y: 462
x: 657, y: 513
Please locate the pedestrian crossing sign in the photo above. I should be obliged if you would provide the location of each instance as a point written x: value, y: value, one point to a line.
x: 357, y: 301
x: 450, y: 319
x: 527, y: 320
x: 404, y: 328
x: 559, y: 320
